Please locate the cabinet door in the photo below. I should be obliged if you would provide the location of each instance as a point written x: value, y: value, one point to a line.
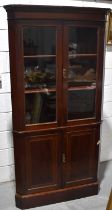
x: 42, y: 58
x: 81, y: 152
x: 43, y: 162
x: 80, y: 71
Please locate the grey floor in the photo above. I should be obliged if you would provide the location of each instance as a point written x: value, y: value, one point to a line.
x: 97, y: 202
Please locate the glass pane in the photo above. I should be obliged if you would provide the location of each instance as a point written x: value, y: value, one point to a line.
x: 81, y: 75
x: 82, y: 40
x: 81, y: 104
x: 40, y: 73
x: 39, y: 40
x: 82, y: 71
x: 40, y: 108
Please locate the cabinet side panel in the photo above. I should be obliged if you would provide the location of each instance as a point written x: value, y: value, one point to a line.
x: 16, y: 74
x: 20, y: 163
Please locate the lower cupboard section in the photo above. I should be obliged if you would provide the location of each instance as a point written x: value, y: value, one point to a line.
x: 55, y: 166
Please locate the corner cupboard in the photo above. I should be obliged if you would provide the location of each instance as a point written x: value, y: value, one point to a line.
x: 56, y: 64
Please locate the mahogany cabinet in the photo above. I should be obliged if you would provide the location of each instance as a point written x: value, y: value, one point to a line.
x: 56, y: 63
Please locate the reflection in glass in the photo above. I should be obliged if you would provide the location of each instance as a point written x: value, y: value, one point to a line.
x: 82, y: 59
x: 40, y: 107
x: 39, y: 40
x: 40, y: 73
x: 82, y: 40
x: 82, y: 51
x: 82, y: 71
x: 81, y: 104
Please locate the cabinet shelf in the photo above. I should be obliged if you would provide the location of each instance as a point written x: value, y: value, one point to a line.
x: 82, y: 55
x: 39, y: 56
x: 46, y: 90
x: 92, y: 87
x: 37, y: 90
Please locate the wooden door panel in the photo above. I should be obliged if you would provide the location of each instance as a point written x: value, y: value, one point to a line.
x: 43, y: 157
x: 81, y: 156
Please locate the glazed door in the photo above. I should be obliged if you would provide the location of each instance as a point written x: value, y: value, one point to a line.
x: 80, y: 72
x: 60, y: 74
x: 42, y: 74
x: 81, y: 152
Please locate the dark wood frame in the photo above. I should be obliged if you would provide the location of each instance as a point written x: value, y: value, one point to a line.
x: 60, y: 136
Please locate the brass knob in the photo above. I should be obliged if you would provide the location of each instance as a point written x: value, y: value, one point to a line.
x: 63, y: 158
x: 64, y: 73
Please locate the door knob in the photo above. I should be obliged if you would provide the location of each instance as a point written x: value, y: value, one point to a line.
x: 64, y: 73
x: 63, y: 158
